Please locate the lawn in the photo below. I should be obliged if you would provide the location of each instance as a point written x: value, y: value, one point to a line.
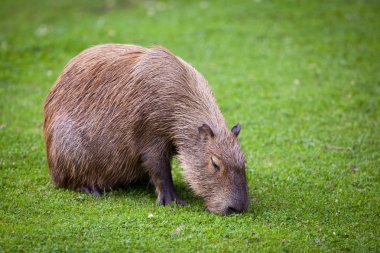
x: 302, y: 77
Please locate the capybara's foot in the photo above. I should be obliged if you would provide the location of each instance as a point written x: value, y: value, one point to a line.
x: 181, y: 202
x: 167, y: 197
x: 92, y: 190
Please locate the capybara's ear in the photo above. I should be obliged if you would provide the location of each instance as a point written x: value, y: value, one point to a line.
x: 236, y: 129
x: 205, y: 132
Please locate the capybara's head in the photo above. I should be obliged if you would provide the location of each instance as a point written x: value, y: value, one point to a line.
x: 218, y: 175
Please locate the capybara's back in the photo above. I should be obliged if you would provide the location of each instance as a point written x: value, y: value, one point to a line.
x: 93, y: 117
x: 119, y: 113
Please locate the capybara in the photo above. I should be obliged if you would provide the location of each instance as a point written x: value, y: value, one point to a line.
x: 118, y: 114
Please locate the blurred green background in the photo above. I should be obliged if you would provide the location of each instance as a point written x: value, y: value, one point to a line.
x: 302, y: 77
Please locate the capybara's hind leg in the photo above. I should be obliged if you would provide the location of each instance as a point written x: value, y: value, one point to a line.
x: 59, y: 177
x: 96, y: 191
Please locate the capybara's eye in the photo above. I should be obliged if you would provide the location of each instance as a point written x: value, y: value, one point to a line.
x: 216, y: 167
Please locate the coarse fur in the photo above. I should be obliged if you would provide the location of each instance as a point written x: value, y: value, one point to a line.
x: 119, y: 113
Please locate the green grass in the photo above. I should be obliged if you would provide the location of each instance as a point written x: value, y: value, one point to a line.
x: 298, y: 75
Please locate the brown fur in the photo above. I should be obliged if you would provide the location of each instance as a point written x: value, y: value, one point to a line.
x: 119, y: 113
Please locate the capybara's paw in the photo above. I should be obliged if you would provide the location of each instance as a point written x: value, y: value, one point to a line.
x: 181, y: 202
x: 166, y: 198
x: 92, y: 190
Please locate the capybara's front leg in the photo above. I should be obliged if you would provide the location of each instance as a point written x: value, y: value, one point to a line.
x: 160, y: 172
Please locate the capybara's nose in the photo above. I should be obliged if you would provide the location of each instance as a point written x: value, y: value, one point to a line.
x: 237, y: 207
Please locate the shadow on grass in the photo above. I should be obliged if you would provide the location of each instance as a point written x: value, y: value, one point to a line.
x: 145, y: 189
x: 143, y: 192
